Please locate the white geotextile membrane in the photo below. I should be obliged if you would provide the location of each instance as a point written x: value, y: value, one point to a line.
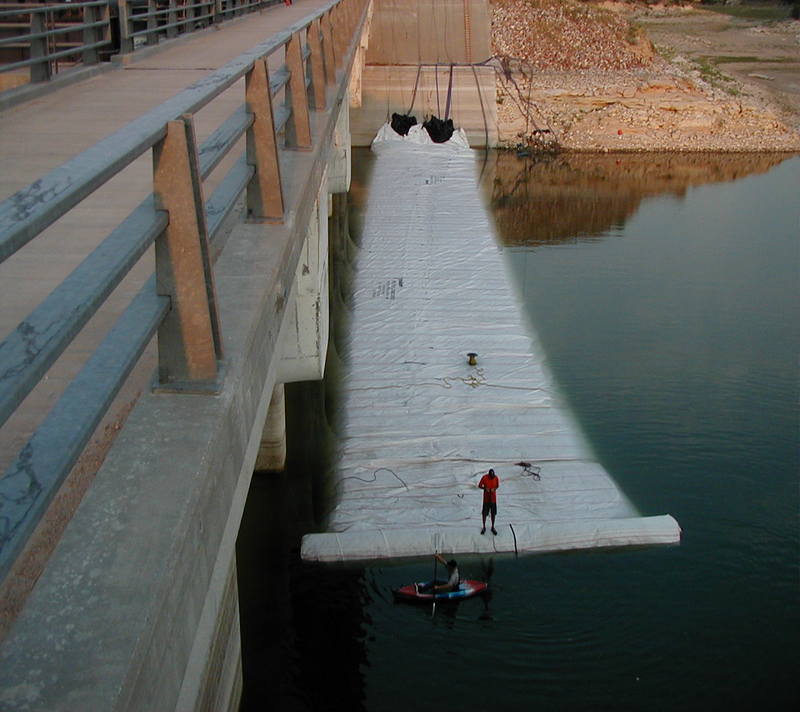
x: 420, y: 425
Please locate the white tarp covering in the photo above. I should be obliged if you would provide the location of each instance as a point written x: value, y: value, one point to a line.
x: 421, y: 425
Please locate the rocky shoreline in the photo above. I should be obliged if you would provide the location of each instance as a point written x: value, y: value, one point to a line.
x: 639, y: 100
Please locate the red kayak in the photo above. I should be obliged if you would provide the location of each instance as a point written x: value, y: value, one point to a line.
x: 466, y: 589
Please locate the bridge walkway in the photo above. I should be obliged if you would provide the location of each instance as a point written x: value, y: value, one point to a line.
x: 40, y: 135
x: 153, y: 622
x: 43, y: 133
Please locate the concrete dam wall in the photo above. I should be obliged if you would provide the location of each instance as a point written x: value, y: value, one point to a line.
x: 419, y: 54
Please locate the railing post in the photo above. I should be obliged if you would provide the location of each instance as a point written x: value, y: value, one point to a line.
x: 360, y: 50
x: 335, y: 32
x: 124, y: 20
x: 264, y: 191
x: 152, y: 34
x: 191, y: 16
x: 189, y: 339
x: 90, y: 34
x: 349, y: 19
x: 318, y: 87
x: 172, y: 17
x: 340, y: 31
x: 41, y: 71
x: 298, y: 127
x: 329, y: 48
x: 104, y: 33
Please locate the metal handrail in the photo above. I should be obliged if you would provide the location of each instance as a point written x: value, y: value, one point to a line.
x: 26, y: 9
x: 156, y: 29
x: 243, y: 5
x: 54, y: 55
x: 168, y: 25
x: 25, y: 355
x: 42, y: 42
x: 161, y: 22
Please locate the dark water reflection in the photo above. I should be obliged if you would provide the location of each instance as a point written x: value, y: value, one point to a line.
x: 572, y: 196
x: 665, y: 292
x: 303, y: 626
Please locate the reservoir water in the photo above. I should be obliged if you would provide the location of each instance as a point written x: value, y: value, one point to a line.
x: 665, y: 291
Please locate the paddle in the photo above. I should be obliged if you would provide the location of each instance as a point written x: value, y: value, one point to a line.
x: 433, y: 586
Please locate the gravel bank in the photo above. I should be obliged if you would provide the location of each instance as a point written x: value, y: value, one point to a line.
x: 587, y: 76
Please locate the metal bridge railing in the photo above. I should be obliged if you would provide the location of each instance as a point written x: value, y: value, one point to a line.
x: 178, y: 302
x: 146, y: 22
x: 41, y: 38
x: 44, y: 39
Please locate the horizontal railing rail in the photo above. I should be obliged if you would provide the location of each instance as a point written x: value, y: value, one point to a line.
x: 272, y: 117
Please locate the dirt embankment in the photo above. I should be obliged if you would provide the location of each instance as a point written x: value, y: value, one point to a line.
x: 634, y: 76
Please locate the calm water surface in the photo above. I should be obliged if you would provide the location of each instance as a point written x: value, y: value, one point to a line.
x: 665, y: 291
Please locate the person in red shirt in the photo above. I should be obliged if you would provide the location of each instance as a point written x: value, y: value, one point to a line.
x: 489, y: 484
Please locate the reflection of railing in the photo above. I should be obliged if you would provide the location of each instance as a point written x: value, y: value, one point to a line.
x: 178, y: 302
x: 40, y: 38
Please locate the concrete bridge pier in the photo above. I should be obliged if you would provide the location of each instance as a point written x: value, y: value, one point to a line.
x: 213, y: 679
x: 272, y: 450
x: 305, y: 336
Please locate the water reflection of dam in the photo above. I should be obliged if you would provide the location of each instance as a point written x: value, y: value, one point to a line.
x: 557, y: 198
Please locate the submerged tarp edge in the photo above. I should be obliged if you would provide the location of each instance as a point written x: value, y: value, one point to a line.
x: 522, y: 537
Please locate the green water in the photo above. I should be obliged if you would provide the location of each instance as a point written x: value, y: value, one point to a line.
x: 665, y: 291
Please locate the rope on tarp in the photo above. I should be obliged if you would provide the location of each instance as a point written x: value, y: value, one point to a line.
x: 449, y: 94
x: 414, y: 93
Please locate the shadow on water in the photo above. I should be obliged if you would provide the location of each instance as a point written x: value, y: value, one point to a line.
x: 303, y: 625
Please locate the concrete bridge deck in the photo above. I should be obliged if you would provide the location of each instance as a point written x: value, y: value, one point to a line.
x: 43, y: 133
x: 138, y: 607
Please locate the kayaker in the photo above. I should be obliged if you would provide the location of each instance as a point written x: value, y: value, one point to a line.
x: 453, y: 578
x: 489, y: 484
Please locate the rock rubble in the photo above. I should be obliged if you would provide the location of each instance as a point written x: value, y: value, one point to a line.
x: 584, y: 76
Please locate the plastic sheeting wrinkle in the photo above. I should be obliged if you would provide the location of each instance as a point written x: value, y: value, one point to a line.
x: 408, y: 409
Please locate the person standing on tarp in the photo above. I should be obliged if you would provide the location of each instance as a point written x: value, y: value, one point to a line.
x: 489, y: 484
